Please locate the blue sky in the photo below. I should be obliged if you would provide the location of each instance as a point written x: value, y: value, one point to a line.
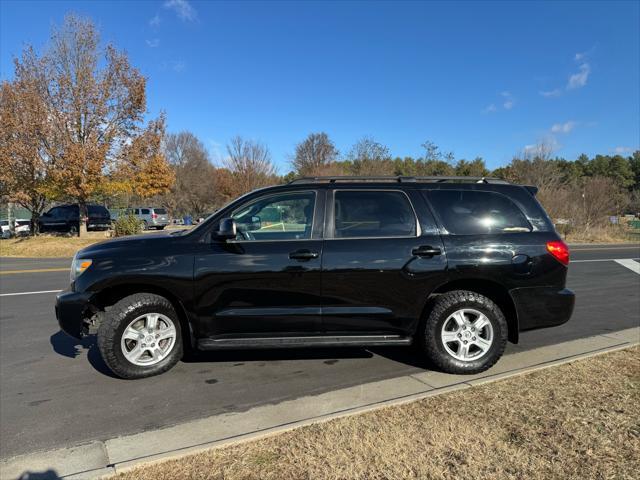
x: 477, y: 78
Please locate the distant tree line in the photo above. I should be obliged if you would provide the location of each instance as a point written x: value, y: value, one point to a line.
x: 73, y: 129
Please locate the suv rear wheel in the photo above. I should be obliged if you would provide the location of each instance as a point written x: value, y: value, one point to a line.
x: 465, y: 332
x: 140, y: 336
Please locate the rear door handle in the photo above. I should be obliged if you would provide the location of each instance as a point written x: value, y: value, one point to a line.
x: 426, y: 251
x: 303, y: 255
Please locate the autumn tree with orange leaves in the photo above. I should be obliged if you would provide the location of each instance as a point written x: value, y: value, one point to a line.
x: 90, y: 138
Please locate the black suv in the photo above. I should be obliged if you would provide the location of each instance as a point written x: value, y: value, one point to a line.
x: 66, y: 218
x: 455, y: 266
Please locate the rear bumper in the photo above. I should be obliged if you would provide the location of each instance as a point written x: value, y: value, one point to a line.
x: 539, y: 307
x: 72, y: 309
x: 99, y: 225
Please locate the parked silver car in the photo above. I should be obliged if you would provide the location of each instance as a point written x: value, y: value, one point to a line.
x: 151, y: 217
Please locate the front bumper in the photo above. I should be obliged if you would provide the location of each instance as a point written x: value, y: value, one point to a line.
x: 72, y: 311
x: 539, y: 307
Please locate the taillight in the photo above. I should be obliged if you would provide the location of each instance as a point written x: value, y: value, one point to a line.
x: 559, y: 250
x: 154, y: 215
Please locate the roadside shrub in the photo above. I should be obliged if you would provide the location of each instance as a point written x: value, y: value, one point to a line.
x: 127, y: 225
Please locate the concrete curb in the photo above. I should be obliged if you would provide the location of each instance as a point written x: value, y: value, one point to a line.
x: 97, y: 459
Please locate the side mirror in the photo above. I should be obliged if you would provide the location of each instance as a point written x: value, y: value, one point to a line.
x: 227, y: 229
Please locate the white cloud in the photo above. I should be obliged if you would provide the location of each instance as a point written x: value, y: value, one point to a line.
x: 154, y: 21
x: 556, y: 92
x: 183, y: 9
x: 563, y: 127
x: 178, y: 66
x: 153, y: 43
x: 509, y: 101
x: 579, y: 80
x: 543, y: 148
x: 490, y: 108
x: 622, y: 150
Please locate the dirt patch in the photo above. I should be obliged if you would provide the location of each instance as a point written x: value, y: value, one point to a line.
x: 580, y: 420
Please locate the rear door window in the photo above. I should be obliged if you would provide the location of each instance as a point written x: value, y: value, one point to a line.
x: 469, y: 212
x: 373, y: 214
x: 145, y: 211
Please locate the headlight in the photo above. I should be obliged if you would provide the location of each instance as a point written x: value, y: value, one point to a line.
x: 78, y: 266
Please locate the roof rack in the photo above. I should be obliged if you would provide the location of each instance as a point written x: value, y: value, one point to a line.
x: 398, y: 179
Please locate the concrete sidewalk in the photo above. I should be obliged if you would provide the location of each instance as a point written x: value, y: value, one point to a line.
x: 96, y: 459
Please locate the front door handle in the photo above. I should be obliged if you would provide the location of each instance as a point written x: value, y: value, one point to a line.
x: 426, y: 251
x: 303, y: 255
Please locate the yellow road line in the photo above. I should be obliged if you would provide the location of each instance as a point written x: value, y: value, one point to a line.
x: 37, y: 270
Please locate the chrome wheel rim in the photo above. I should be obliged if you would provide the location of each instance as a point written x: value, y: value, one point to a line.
x: 467, y: 335
x: 148, y: 339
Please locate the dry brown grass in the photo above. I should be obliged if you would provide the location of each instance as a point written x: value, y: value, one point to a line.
x: 607, y: 234
x: 580, y: 420
x: 47, y: 246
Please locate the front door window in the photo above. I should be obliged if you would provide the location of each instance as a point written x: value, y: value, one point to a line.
x: 287, y: 216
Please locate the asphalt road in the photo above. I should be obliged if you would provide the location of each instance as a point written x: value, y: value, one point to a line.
x: 55, y: 393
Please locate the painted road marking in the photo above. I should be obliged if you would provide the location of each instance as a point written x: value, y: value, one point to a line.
x: 603, y: 260
x: 633, y: 247
x: 28, y: 293
x: 36, y: 270
x: 630, y: 264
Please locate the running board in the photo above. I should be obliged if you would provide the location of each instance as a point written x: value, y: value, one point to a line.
x: 302, y: 342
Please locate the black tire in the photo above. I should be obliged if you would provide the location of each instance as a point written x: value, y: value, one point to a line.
x: 161, y: 227
x: 145, y: 225
x: 443, y: 307
x: 118, y: 318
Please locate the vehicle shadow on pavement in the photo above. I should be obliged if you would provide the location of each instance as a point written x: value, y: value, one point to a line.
x: 409, y: 356
x: 275, y: 354
x: 69, y: 347
x: 45, y: 475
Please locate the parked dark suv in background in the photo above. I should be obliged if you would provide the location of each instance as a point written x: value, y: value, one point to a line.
x: 455, y: 266
x: 66, y: 218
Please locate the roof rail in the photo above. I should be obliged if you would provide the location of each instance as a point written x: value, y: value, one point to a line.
x: 397, y: 179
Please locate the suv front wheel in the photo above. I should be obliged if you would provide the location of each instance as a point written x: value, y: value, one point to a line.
x: 140, y: 336
x: 465, y: 332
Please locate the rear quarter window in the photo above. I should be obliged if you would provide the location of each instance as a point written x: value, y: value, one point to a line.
x: 469, y: 212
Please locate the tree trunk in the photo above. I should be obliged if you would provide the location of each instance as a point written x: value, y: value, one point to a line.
x: 84, y: 215
x: 11, y: 219
x: 34, y: 226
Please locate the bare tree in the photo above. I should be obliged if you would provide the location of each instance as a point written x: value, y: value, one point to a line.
x: 432, y: 153
x: 315, y: 155
x: 194, y: 191
x: 250, y: 164
x: 369, y: 157
x: 534, y: 166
